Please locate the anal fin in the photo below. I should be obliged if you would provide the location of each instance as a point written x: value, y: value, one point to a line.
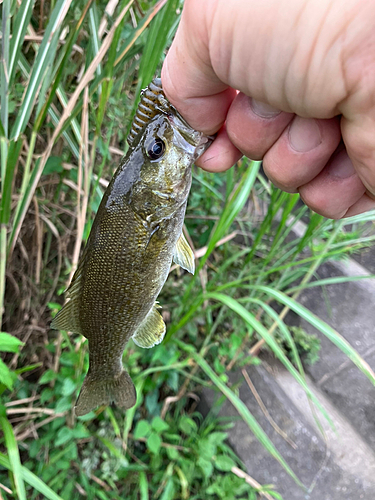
x: 152, y: 329
x: 184, y: 255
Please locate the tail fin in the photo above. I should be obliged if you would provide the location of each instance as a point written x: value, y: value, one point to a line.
x: 96, y: 392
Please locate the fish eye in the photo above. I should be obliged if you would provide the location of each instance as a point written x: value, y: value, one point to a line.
x: 156, y: 149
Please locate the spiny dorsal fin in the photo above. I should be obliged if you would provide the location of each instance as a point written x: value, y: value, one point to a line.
x: 76, y: 284
x: 152, y: 329
x: 68, y: 318
x: 184, y: 255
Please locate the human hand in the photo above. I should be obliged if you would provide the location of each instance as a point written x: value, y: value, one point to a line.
x: 306, y: 75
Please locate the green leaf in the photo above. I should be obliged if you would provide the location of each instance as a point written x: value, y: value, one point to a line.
x: 207, y: 449
x: 187, y: 425
x: 69, y: 386
x: 206, y: 466
x: 172, y: 453
x: 154, y: 443
x: 53, y: 165
x: 224, y: 463
x: 142, y: 429
x: 47, y: 377
x: 14, y: 457
x: 168, y: 493
x: 64, y: 404
x: 159, y: 425
x: 64, y: 435
x: 217, y: 438
x: 80, y: 432
x: 184, y: 483
x: 7, y: 377
x: 9, y: 343
x: 27, y: 368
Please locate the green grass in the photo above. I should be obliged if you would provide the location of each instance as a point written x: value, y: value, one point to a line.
x: 67, y: 98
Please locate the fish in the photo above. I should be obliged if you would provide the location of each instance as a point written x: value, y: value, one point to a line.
x: 135, y: 237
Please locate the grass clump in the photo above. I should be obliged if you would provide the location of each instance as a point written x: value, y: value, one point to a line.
x: 70, y: 81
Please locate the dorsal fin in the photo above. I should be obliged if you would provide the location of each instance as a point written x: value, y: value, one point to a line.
x: 76, y: 283
x: 68, y: 317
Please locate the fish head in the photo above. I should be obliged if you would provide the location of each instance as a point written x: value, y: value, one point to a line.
x: 169, y: 148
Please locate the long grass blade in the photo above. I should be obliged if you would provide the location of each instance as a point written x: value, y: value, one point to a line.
x: 64, y: 117
x: 143, y: 486
x: 21, y: 22
x: 336, y: 280
x: 271, y: 342
x: 94, y: 29
x: 360, y: 218
x: 283, y: 329
x: 234, y: 205
x: 14, y: 457
x: 56, y: 87
x: 320, y: 325
x: 4, y: 66
x: 140, y: 29
x: 247, y: 417
x: 156, y: 41
x: 3, y: 260
x: 46, y: 54
x: 7, y: 180
x: 31, y: 479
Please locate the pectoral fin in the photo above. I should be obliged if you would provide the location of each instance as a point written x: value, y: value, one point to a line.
x: 151, y: 331
x: 183, y: 255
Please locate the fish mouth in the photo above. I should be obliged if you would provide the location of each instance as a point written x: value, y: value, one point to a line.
x: 204, y: 144
x: 188, y: 139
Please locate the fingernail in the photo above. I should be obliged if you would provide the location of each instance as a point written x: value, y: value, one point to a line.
x: 304, y: 134
x: 341, y: 166
x: 263, y: 109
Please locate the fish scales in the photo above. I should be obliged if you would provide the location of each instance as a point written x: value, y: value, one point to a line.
x: 136, y: 234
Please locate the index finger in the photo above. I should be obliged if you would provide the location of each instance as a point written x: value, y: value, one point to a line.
x: 189, y: 80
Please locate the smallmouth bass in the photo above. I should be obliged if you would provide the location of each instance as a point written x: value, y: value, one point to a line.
x: 136, y: 234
